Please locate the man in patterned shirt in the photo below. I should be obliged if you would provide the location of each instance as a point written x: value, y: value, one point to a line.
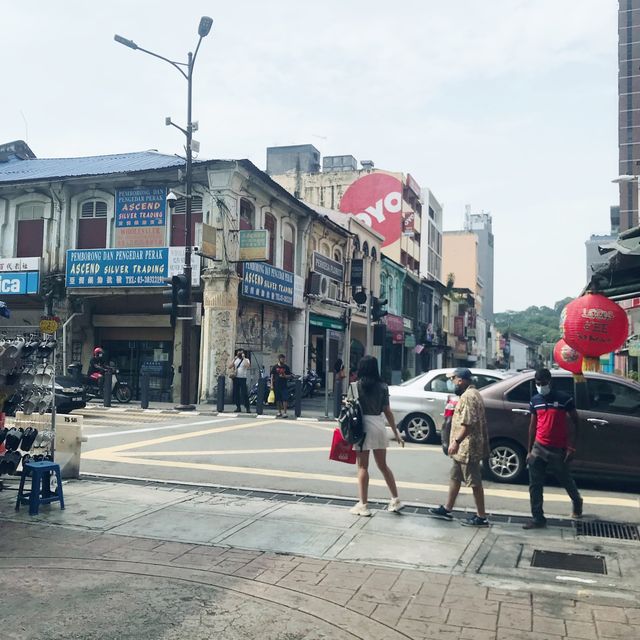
x: 469, y: 445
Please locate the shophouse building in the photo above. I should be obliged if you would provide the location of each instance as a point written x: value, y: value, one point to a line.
x: 100, y: 227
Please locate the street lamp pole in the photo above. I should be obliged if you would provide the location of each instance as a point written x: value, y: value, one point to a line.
x: 187, y: 308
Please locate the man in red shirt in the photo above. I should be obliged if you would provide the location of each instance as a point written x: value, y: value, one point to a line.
x: 551, y: 446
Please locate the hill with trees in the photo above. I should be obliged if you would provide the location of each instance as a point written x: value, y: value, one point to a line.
x: 540, y: 324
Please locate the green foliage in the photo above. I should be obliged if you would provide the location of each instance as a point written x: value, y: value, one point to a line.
x: 540, y: 324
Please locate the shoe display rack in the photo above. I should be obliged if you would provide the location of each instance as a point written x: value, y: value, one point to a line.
x: 27, y: 391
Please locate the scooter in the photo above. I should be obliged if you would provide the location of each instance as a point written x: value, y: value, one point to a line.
x: 310, y: 383
x: 120, y: 389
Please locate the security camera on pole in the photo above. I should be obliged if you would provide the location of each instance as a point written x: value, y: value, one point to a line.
x: 185, y: 308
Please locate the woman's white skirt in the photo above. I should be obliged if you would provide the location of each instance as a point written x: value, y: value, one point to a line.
x: 376, y: 433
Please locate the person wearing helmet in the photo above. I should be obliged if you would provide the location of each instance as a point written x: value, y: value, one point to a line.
x: 97, y: 366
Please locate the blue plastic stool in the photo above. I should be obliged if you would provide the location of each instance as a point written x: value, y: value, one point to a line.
x: 40, y: 492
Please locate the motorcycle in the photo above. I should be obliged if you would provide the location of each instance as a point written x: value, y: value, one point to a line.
x: 310, y: 383
x: 120, y: 390
x: 291, y: 390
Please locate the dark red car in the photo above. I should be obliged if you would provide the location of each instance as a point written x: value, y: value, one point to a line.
x: 607, y: 442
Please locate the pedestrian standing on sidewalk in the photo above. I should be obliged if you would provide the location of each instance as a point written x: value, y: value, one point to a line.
x: 373, y: 395
x: 280, y: 376
x: 241, y: 365
x: 468, y: 446
x: 551, y: 446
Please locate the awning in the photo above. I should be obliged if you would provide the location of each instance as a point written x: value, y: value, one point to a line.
x: 619, y: 278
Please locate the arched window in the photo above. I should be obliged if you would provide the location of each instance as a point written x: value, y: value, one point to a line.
x: 92, y: 225
x: 337, y: 255
x: 384, y: 286
x: 178, y: 220
x: 270, y: 225
x: 325, y: 249
x: 288, y: 248
x: 365, y: 249
x: 30, y: 230
x: 247, y: 214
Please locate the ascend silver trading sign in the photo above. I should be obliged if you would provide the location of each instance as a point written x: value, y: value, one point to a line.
x: 327, y: 267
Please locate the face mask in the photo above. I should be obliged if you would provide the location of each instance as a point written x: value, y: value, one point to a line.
x: 545, y: 390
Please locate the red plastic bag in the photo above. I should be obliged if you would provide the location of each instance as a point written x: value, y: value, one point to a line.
x: 341, y: 451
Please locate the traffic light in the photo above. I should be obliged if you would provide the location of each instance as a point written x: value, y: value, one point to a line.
x: 170, y: 307
x: 178, y: 294
x: 377, y: 311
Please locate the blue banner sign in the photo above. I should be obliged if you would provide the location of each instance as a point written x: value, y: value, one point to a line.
x: 19, y: 283
x: 141, y: 207
x: 144, y: 267
x: 267, y: 283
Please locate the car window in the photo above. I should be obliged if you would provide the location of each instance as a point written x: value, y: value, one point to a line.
x: 483, y: 380
x: 440, y: 384
x: 564, y: 384
x: 521, y: 393
x: 611, y: 397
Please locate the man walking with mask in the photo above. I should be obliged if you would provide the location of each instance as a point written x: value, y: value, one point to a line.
x: 468, y: 446
x: 551, y: 446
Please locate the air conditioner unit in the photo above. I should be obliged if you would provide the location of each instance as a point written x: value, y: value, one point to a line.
x: 319, y: 285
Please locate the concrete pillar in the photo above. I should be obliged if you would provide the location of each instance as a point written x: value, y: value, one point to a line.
x: 220, y: 300
x: 297, y: 331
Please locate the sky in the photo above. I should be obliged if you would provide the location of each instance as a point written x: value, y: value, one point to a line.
x: 507, y: 105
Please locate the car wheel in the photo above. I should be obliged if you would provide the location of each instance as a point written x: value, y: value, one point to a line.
x: 506, y: 462
x: 419, y: 428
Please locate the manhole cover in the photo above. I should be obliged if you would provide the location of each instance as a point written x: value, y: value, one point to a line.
x: 600, y: 529
x: 569, y: 561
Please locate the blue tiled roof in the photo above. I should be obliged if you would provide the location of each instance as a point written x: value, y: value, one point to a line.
x: 49, y: 168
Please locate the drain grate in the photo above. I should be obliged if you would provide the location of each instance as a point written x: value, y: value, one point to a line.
x: 569, y: 562
x: 616, y: 530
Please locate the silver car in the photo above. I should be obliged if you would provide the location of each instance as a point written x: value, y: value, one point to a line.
x: 418, y: 404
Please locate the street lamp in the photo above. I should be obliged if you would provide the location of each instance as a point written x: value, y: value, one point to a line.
x: 203, y: 30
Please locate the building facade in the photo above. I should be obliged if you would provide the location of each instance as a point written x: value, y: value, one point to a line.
x: 97, y: 232
x: 628, y: 109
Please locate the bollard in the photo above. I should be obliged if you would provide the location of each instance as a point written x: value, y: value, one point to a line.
x: 337, y: 397
x: 298, y: 398
x: 107, y: 381
x: 220, y: 396
x: 262, y: 383
x: 144, y: 391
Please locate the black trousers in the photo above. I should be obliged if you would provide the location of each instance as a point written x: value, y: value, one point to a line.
x: 240, y: 393
x: 549, y: 460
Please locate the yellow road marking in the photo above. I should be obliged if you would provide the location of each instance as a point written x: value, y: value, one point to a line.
x: 178, y: 436
x: 512, y: 494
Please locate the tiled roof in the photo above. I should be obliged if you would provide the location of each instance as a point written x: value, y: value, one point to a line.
x: 49, y: 168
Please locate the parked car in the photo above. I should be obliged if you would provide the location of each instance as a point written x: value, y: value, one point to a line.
x: 607, y: 442
x: 418, y: 404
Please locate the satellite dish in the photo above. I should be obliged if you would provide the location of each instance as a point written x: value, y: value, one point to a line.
x: 360, y: 297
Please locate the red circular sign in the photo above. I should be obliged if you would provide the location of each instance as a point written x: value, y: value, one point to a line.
x: 376, y: 199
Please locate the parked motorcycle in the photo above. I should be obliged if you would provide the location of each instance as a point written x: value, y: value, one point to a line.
x: 120, y: 390
x: 291, y: 389
x: 310, y: 383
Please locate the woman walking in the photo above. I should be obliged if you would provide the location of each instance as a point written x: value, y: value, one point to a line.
x: 373, y: 395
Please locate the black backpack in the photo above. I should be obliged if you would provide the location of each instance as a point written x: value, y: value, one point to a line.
x: 350, y: 419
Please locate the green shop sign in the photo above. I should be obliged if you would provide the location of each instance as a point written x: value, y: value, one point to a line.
x: 326, y: 323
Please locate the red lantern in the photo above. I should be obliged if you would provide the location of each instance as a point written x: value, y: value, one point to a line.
x: 567, y: 358
x: 594, y: 325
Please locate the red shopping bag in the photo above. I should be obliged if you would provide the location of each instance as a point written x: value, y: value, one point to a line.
x: 341, y: 451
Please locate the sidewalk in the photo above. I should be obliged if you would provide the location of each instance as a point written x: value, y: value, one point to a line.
x: 142, y: 561
x: 312, y: 409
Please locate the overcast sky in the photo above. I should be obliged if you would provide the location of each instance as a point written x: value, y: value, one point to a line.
x: 508, y: 105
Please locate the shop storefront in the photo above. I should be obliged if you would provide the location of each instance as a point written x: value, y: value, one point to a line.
x: 326, y: 344
x: 393, y: 350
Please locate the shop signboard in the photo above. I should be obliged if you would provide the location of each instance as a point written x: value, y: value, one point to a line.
x: 176, y: 264
x: 326, y: 322
x: 357, y: 272
x: 408, y: 223
x: 19, y: 276
x: 140, y: 216
x: 264, y: 282
x: 327, y: 267
x: 208, y: 242
x: 395, y: 326
x: 254, y: 245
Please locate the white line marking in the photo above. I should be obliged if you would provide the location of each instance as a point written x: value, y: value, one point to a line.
x: 162, y: 428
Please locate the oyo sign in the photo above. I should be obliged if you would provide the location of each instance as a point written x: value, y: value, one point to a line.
x: 376, y: 199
